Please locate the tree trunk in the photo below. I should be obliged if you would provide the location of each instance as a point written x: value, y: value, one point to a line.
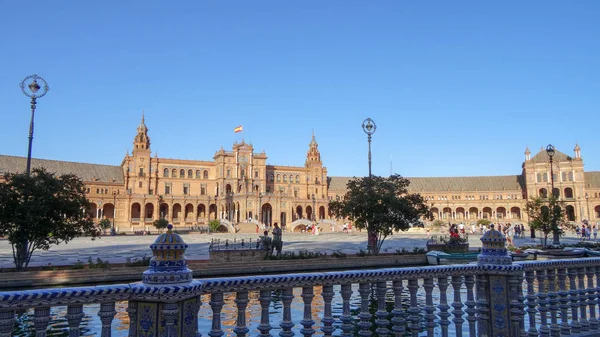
x: 20, y: 255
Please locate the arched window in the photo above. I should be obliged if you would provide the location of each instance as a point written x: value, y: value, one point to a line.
x: 197, y: 174
x: 570, y: 176
x: 297, y: 179
x: 568, y: 192
x: 539, y: 177
x: 563, y: 176
x: 272, y: 177
x: 88, y: 190
x: 166, y: 173
x: 285, y: 178
x: 205, y: 174
x: 174, y: 173
x: 545, y: 177
x: 97, y: 191
x: 182, y: 173
x: 278, y: 178
x: 242, y: 173
x: 189, y: 174
x: 106, y: 191
x: 543, y: 192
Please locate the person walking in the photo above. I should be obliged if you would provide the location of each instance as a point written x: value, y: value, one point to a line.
x: 277, y: 241
x: 595, y: 231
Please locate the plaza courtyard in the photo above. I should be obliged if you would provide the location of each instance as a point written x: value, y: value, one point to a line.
x: 116, y: 249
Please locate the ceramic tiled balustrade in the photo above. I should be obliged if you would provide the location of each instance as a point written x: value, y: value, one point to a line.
x: 536, y: 298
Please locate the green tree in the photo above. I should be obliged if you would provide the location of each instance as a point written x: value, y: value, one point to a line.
x: 485, y: 222
x: 213, y: 225
x: 381, y: 206
x: 104, y: 224
x: 160, y: 224
x: 547, y: 215
x: 41, y: 210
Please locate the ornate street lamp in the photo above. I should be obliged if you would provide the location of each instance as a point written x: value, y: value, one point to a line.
x: 555, y: 233
x: 587, y: 205
x: 314, y: 200
x: 369, y: 128
x: 114, y: 211
x: 33, y: 91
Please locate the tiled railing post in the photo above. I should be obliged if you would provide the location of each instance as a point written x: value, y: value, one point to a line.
x: 382, y: 314
x: 543, y: 303
x: 307, y: 321
x: 327, y: 320
x: 565, y: 328
x: 531, y: 303
x: 413, y: 310
x: 265, y: 301
x: 107, y: 314
x: 574, y: 299
x: 398, y: 312
x: 470, y: 303
x: 41, y: 318
x: 346, y: 318
x: 74, y: 316
x: 444, y: 307
x: 132, y: 313
x: 591, y: 295
x: 553, y: 301
x: 287, y: 296
x: 364, y: 289
x: 241, y: 302
x: 585, y: 325
x: 7, y: 322
x: 457, y: 305
x: 429, y: 307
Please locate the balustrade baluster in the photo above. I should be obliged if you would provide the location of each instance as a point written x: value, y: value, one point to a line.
x: 307, y: 322
x: 265, y: 301
x: 74, y: 316
x: 574, y: 298
x: 216, y: 305
x: 553, y: 300
x: 364, y: 289
x: 514, y: 305
x: 398, y: 312
x: 443, y: 306
x: 132, y: 313
x: 107, y: 314
x: 382, y: 314
x: 543, y: 303
x: 457, y: 305
x: 429, y: 307
x: 565, y: 328
x: 41, y: 318
x: 327, y: 294
x: 585, y: 325
x: 171, y: 316
x: 470, y: 303
x: 521, y: 300
x: 414, y: 311
x: 531, y: 303
x: 7, y: 322
x: 591, y: 302
x: 241, y: 302
x: 346, y: 318
x: 287, y: 324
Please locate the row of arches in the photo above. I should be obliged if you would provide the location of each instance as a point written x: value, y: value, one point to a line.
x: 567, y: 192
x: 474, y: 213
x: 190, y: 174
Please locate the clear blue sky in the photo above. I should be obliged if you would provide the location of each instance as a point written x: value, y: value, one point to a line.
x: 457, y: 88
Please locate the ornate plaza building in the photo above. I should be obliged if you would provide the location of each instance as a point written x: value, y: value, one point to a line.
x: 240, y: 189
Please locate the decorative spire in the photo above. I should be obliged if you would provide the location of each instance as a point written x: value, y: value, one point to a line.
x: 527, y: 153
x: 313, y: 154
x: 141, y: 140
x: 577, y: 151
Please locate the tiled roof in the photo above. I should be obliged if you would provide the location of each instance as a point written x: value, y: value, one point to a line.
x: 592, y: 178
x: 542, y: 157
x: 87, y: 172
x: 439, y: 184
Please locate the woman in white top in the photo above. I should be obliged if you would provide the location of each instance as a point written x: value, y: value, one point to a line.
x: 510, y: 234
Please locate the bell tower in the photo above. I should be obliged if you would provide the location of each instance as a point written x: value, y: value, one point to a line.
x: 141, y: 142
x: 316, y: 174
x: 141, y: 161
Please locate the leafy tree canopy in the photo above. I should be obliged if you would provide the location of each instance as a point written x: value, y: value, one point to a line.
x: 547, y: 215
x: 41, y: 210
x: 105, y: 224
x: 381, y: 206
x: 160, y: 224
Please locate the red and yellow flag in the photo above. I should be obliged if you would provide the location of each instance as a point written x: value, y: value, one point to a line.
x: 238, y: 129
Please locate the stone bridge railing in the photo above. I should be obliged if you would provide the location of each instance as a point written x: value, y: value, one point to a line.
x: 537, y: 298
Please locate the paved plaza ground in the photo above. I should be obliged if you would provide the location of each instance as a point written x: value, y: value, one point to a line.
x: 116, y: 249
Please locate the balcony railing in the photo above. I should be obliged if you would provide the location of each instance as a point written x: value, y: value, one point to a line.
x: 537, y: 298
x: 135, y: 220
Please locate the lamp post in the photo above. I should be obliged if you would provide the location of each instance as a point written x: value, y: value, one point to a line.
x: 369, y: 128
x: 114, y: 211
x: 33, y: 91
x: 260, y: 207
x: 555, y: 234
x: 587, y: 205
x: 314, y: 200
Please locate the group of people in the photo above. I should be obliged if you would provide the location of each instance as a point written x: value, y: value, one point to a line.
x: 585, y: 232
x: 271, y: 244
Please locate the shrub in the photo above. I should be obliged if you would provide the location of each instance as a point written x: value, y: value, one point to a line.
x: 136, y: 262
